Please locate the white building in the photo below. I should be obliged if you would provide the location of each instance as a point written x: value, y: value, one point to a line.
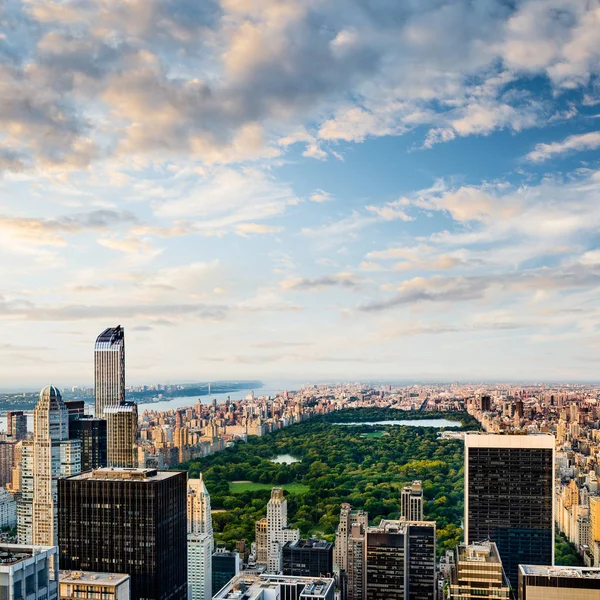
x: 26, y: 572
x: 8, y: 509
x: 277, y: 530
x: 200, y: 541
x: 90, y: 585
x: 247, y: 586
x: 412, y: 502
x: 51, y: 455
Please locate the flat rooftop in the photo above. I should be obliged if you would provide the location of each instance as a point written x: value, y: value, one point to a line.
x: 309, y: 544
x: 479, y: 552
x: 92, y: 577
x: 576, y: 572
x: 253, y: 587
x: 124, y: 474
x: 11, y: 554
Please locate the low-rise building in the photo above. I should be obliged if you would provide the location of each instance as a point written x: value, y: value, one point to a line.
x: 276, y: 587
x: 28, y: 572
x: 90, y: 585
x: 558, y: 583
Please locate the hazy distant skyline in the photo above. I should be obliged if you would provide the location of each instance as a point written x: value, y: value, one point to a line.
x: 300, y: 190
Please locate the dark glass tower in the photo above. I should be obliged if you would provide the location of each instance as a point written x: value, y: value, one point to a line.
x: 127, y: 521
x: 92, y: 435
x: 308, y: 558
x: 109, y: 369
x: 400, y: 561
x: 509, y: 485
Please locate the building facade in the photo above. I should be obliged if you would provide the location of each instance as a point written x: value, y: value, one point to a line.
x: 509, y: 493
x: 8, y: 509
x: 308, y: 558
x: 109, y: 369
x: 28, y: 572
x: 121, y: 435
x: 91, y: 433
x: 200, y: 540
x: 558, y: 583
x: 411, y: 502
x: 477, y: 573
x: 16, y: 425
x: 246, y: 586
x: 7, y: 460
x: 225, y: 566
x: 54, y: 456
x: 130, y: 521
x: 340, y: 550
x: 400, y: 561
x: 277, y: 530
x: 89, y: 585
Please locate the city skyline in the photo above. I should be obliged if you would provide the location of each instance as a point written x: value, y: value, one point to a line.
x: 408, y: 190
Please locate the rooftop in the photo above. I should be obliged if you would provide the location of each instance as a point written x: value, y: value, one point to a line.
x: 309, y: 544
x: 546, y: 571
x: 11, y: 554
x: 256, y: 587
x: 92, y: 577
x: 479, y: 552
x: 111, y: 336
x: 124, y: 474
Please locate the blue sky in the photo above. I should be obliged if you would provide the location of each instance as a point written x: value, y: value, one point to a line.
x: 309, y: 189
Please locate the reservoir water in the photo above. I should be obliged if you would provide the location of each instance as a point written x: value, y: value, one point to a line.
x: 285, y: 459
x: 438, y: 423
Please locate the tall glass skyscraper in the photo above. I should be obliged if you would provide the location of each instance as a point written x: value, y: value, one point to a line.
x: 109, y: 369
x: 509, y: 493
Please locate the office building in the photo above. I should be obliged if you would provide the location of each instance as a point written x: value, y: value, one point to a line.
x: 248, y: 586
x: 91, y: 433
x: 308, y: 558
x: 27, y: 572
x: 200, y: 540
x: 89, y: 585
x: 121, y: 435
x: 54, y: 456
x: 277, y: 530
x: 109, y: 369
x: 261, y: 537
x: 400, y: 561
x: 225, y: 566
x: 355, y: 580
x: 558, y: 583
x: 25, y: 503
x: 8, y: 509
x: 477, y: 574
x: 128, y: 521
x: 16, y: 425
x: 7, y: 460
x: 411, y: 502
x: 509, y: 493
x: 340, y: 550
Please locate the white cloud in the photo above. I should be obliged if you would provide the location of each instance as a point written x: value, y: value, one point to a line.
x: 321, y: 196
x: 573, y: 143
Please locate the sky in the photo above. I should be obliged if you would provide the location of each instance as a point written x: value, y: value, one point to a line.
x: 302, y: 189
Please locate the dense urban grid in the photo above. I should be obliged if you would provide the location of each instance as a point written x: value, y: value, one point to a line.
x: 346, y: 491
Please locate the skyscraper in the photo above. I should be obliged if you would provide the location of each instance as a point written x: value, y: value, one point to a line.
x: 16, y: 425
x: 91, y: 432
x: 54, y: 456
x: 509, y: 493
x: 225, y: 566
x: 127, y: 521
x: 340, y: 551
x: 7, y: 458
x: 109, y: 369
x: 400, y: 561
x: 308, y: 558
x: 199, y: 540
x: 121, y: 435
x: 277, y: 530
x: 412, y: 502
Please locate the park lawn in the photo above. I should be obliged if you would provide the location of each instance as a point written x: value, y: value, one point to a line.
x: 238, y: 487
x: 374, y: 434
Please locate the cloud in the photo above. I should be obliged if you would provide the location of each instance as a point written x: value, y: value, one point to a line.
x: 344, y: 280
x: 573, y: 143
x: 245, y: 229
x: 321, y: 196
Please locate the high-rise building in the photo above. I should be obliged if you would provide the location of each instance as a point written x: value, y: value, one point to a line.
x: 86, y: 585
x: 558, y: 583
x: 109, y: 369
x: 412, y: 502
x: 28, y: 572
x: 91, y: 433
x: 199, y: 540
x: 16, y: 425
x: 54, y: 456
x: 400, y: 561
x: 25, y: 504
x: 356, y: 575
x: 509, y: 493
x: 340, y: 551
x: 277, y: 530
x: 8, y: 509
x: 7, y: 460
x: 261, y: 536
x: 308, y: 558
x: 129, y: 521
x: 121, y: 435
x: 477, y: 573
x: 225, y: 566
